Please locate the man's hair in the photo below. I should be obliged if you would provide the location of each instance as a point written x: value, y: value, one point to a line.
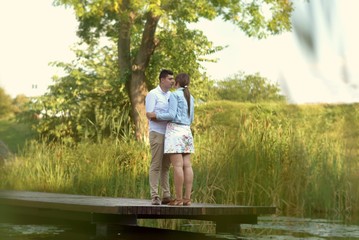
x: 164, y: 73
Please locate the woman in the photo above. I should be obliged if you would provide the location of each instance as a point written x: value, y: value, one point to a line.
x: 179, y: 138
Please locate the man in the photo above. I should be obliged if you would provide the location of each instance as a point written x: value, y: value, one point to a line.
x: 157, y: 101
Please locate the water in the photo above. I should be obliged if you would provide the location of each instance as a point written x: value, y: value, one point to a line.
x: 301, y: 228
x: 274, y: 228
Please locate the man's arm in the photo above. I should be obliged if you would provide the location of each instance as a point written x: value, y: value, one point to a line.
x: 150, y: 103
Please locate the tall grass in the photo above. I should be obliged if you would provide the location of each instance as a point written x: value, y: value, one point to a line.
x: 301, y: 159
x: 111, y: 168
x: 294, y: 157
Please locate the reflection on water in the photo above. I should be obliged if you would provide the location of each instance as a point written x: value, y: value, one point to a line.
x: 301, y: 228
x: 274, y: 228
x: 57, y: 232
x: 12, y: 231
x: 32, y: 232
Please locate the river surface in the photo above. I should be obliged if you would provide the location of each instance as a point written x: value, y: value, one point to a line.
x: 273, y: 228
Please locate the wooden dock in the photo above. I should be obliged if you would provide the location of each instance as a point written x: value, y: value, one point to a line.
x: 107, y: 212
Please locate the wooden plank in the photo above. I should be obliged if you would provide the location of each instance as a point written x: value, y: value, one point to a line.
x: 123, y: 211
x: 109, y: 212
x: 125, y: 206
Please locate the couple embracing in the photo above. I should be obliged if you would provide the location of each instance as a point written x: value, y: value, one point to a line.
x: 170, y: 115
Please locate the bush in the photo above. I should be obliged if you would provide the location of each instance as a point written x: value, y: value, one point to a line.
x: 248, y: 88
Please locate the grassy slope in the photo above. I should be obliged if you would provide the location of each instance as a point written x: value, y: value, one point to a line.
x: 327, y: 116
x: 14, y: 134
x: 225, y: 113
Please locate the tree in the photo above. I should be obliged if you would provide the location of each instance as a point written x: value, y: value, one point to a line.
x: 139, y: 26
x: 6, y: 107
x: 90, y: 101
x: 20, y: 103
x: 86, y: 103
x: 248, y: 88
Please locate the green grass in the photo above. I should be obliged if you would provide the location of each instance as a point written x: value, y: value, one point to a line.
x: 301, y: 159
x: 14, y: 134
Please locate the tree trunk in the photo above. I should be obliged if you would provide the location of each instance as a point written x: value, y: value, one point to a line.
x: 124, y: 42
x: 138, y: 92
x: 124, y: 58
x: 137, y: 86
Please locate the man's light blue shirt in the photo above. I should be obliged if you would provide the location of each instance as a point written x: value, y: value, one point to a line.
x: 178, y: 109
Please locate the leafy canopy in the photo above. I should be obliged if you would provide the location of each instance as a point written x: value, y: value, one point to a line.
x: 257, y: 18
x: 145, y: 36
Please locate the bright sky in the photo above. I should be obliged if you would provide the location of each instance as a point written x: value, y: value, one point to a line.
x: 34, y: 33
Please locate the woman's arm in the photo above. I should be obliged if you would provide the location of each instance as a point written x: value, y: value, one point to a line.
x: 172, y: 111
x: 192, y: 110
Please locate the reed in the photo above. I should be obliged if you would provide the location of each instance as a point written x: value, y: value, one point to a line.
x: 292, y: 157
x: 110, y: 168
x: 301, y: 159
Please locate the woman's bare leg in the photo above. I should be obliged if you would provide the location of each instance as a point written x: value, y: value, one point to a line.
x: 188, y: 175
x: 177, y: 162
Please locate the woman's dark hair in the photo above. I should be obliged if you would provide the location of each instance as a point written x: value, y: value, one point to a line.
x: 183, y: 81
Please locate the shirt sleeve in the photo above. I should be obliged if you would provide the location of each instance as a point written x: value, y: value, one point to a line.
x: 172, y: 110
x: 150, y: 102
x: 192, y: 110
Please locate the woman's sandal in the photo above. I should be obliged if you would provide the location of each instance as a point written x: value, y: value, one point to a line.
x: 176, y: 202
x: 187, y: 202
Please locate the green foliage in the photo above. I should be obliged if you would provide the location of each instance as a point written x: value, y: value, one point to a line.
x: 248, y: 88
x: 91, y: 101
x: 6, y: 107
x: 20, y: 103
x: 12, y: 107
x: 87, y: 103
x: 255, y: 18
x: 182, y: 50
x: 141, y: 29
x: 14, y: 134
x: 177, y: 47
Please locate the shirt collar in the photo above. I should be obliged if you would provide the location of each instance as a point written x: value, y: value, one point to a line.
x: 160, y: 90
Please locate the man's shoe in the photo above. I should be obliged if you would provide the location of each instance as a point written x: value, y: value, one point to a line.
x: 166, y: 200
x: 156, y: 201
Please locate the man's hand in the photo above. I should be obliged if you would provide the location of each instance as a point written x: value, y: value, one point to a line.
x: 151, y: 115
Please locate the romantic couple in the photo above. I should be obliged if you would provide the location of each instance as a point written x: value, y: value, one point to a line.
x: 170, y: 115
